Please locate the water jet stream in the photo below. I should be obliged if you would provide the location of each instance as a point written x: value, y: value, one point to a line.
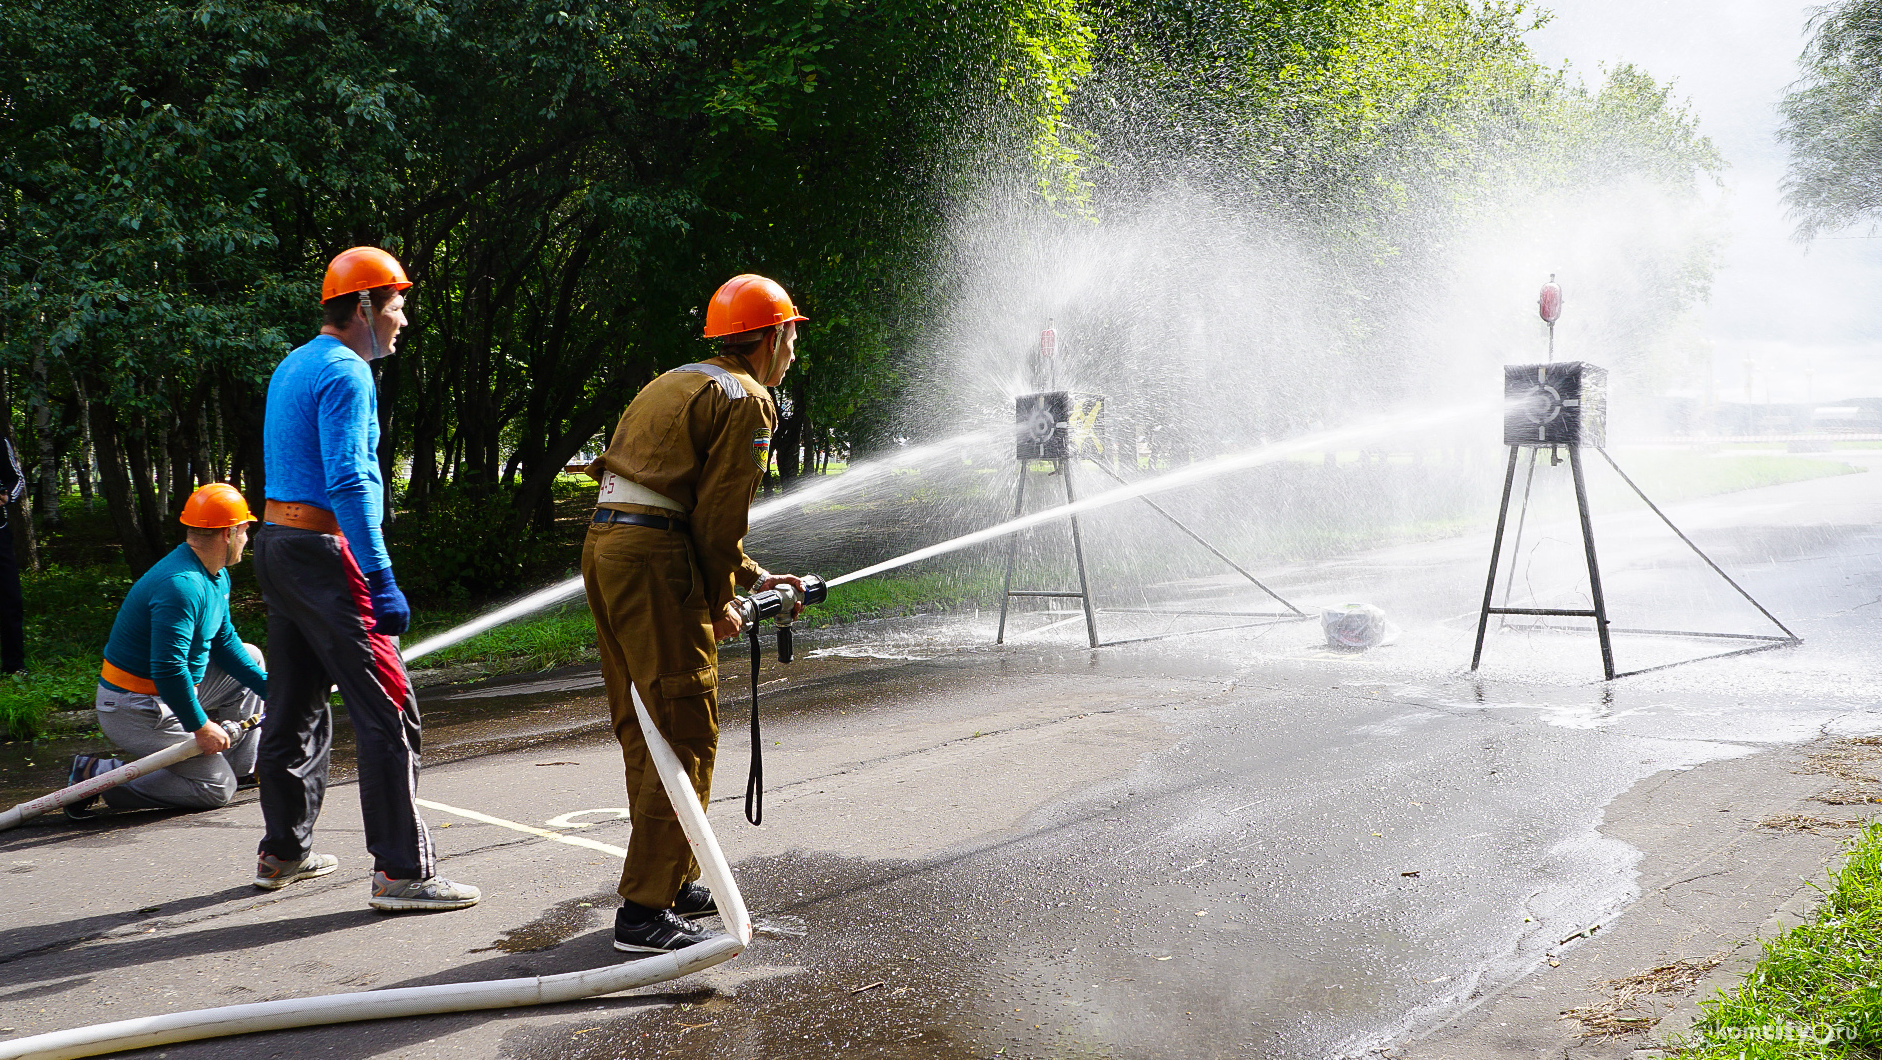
x: 543, y: 599
x: 1189, y: 476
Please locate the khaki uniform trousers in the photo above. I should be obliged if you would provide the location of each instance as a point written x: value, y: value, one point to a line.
x: 655, y: 630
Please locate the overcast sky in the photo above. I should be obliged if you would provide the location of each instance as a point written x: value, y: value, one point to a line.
x: 1805, y: 317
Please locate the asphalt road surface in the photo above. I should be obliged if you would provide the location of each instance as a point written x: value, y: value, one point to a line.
x: 1231, y: 843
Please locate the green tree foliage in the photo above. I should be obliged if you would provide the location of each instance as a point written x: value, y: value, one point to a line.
x: 1833, y: 122
x: 1374, y: 141
x: 567, y: 183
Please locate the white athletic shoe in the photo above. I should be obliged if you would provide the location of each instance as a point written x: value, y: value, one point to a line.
x: 435, y: 893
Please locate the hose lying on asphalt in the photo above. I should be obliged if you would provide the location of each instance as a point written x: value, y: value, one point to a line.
x: 124, y: 774
x: 146, y: 1031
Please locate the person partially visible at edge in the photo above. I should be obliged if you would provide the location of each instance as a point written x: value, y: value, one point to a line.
x: 333, y: 606
x: 664, y: 553
x: 175, y: 669
x: 12, y: 604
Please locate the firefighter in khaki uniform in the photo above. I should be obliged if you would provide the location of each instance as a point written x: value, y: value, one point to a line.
x: 663, y: 555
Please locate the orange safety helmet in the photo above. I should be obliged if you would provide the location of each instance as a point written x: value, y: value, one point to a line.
x: 748, y: 302
x: 216, y: 506
x: 362, y: 269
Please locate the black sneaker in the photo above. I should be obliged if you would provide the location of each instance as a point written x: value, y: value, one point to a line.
x: 85, y: 767
x: 695, y: 900
x: 660, y: 932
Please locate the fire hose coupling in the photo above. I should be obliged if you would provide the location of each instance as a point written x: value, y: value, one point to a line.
x: 780, y: 605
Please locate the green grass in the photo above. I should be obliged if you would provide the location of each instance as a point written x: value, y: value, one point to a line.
x: 70, y: 607
x: 566, y: 635
x: 1816, y: 992
x: 1670, y: 476
x: 561, y: 637
x: 888, y: 595
x: 68, y: 619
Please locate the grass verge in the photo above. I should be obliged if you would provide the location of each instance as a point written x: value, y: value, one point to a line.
x: 70, y: 607
x: 1672, y: 476
x: 1816, y: 991
x: 566, y: 635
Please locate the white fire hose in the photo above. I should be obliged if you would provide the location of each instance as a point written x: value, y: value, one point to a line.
x: 124, y: 774
x: 146, y: 1031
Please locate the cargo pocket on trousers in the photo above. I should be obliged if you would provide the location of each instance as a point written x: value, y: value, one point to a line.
x: 688, y: 694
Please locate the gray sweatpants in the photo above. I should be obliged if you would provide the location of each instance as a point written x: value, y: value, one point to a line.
x: 143, y: 725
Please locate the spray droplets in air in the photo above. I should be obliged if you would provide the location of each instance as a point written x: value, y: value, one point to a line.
x: 856, y: 478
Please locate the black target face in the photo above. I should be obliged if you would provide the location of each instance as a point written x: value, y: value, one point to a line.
x: 1038, y: 429
x: 1041, y: 425
x: 1541, y: 405
x: 1564, y: 403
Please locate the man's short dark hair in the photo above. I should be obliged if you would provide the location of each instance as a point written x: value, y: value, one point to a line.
x: 338, y: 311
x: 742, y: 342
x: 203, y: 533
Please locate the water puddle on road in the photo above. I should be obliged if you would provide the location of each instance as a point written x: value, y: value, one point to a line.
x: 562, y: 922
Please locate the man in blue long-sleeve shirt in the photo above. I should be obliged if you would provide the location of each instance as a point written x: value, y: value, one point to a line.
x: 175, y: 669
x: 333, y: 606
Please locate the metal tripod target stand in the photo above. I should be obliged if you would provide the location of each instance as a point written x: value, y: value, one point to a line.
x: 1564, y: 406
x: 1044, y: 424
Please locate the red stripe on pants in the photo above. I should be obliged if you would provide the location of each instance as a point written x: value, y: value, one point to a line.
x: 385, y: 654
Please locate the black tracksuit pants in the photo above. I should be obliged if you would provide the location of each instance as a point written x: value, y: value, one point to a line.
x: 319, y: 611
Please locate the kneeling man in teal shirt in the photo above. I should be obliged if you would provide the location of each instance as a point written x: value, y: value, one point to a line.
x: 173, y: 661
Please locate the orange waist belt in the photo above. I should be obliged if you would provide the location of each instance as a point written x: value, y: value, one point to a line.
x: 127, y: 680
x: 302, y: 517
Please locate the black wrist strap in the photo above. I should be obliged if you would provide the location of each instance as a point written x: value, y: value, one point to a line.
x: 755, y: 780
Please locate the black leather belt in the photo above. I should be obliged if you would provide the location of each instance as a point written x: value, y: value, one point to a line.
x: 657, y: 522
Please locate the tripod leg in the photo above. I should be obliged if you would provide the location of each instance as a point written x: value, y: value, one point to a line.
x: 1078, y: 553
x: 1516, y: 547
x: 1496, y: 549
x: 1198, y: 538
x: 1696, y: 550
x: 1594, y: 568
x: 1012, y: 552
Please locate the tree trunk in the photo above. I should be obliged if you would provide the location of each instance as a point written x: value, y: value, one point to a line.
x: 789, y: 443
x: 201, y: 456
x: 388, y: 380
x: 117, y: 489
x: 84, y: 445
x: 143, y: 489
x: 159, y: 457
x: 242, y: 410
x: 46, y: 498
x: 182, y: 479
x: 537, y: 489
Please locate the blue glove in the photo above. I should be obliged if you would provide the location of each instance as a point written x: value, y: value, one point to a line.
x: 391, y: 614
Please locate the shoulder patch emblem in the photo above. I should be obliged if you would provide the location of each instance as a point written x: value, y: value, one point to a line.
x: 761, y: 448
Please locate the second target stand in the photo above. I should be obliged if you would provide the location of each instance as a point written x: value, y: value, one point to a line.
x: 1564, y: 406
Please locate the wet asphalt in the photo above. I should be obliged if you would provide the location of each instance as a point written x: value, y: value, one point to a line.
x: 1235, y: 843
